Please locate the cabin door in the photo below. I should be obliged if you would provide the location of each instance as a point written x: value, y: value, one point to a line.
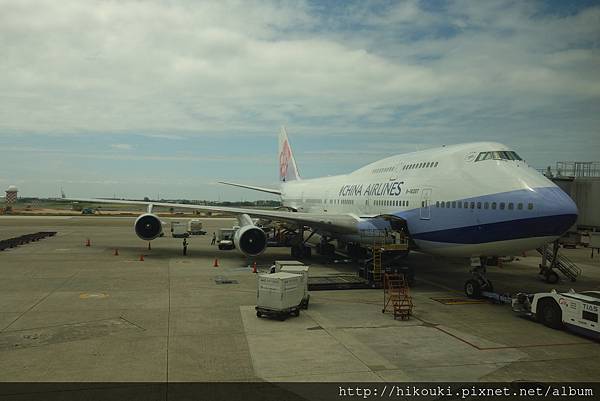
x: 425, y: 204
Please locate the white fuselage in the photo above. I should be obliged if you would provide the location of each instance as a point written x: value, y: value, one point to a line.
x: 453, y: 203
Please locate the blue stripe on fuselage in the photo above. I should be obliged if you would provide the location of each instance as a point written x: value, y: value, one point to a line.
x: 552, y: 214
x: 546, y: 226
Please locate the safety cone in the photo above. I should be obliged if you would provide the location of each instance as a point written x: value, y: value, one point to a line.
x: 216, y: 264
x: 116, y: 252
x: 254, y: 268
x: 142, y: 257
x: 88, y: 243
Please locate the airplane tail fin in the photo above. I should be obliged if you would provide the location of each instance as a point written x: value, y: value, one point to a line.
x: 288, y: 171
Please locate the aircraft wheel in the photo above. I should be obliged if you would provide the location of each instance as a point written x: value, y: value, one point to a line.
x: 551, y: 277
x: 294, y: 252
x: 472, y: 289
x: 306, y: 251
x: 549, y: 313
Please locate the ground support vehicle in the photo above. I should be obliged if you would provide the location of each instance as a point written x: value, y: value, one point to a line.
x: 576, y: 311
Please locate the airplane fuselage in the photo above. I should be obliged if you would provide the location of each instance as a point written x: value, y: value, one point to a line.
x: 462, y: 200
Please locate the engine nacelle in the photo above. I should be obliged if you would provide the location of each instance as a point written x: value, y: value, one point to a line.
x: 148, y: 226
x: 250, y: 240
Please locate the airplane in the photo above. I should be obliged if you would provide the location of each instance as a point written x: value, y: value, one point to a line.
x: 474, y: 200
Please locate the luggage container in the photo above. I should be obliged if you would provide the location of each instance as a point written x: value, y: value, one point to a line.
x: 279, y: 295
x: 302, y: 270
x: 195, y: 227
x: 179, y: 229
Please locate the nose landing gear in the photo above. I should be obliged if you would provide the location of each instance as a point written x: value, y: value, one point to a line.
x: 479, y: 283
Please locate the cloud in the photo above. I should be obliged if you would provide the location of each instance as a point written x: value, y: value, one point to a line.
x: 121, y: 146
x: 202, y: 68
x: 409, y: 73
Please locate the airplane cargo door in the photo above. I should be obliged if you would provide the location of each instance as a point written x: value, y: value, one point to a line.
x: 425, y: 204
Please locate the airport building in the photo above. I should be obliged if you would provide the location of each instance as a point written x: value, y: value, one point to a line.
x: 581, y: 180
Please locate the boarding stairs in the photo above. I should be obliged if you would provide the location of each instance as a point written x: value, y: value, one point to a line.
x: 396, y: 296
x: 399, y: 243
x: 562, y: 263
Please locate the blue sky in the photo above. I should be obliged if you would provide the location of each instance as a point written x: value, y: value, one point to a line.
x: 136, y: 99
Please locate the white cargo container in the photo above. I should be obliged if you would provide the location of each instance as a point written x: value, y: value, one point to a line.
x: 195, y: 227
x: 279, y: 294
x: 302, y: 270
x: 179, y: 229
x: 280, y: 263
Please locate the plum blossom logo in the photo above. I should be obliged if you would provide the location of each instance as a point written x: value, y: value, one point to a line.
x: 284, y: 158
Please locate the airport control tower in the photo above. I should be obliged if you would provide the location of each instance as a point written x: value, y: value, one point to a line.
x: 11, y: 196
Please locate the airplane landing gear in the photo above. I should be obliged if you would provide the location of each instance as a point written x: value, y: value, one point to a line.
x: 479, y: 282
x: 300, y: 251
x: 299, y: 248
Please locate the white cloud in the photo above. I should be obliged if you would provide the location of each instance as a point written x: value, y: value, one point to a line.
x: 121, y: 146
x: 401, y: 73
x: 207, y: 67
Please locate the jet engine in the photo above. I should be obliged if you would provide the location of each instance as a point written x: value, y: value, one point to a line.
x: 249, y: 239
x: 148, y: 226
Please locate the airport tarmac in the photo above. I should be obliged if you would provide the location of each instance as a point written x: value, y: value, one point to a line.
x: 74, y: 313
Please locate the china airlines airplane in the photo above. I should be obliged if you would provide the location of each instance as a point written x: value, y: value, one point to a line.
x: 470, y: 200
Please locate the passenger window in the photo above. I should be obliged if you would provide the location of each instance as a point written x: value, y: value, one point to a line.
x: 460, y: 205
x: 486, y: 205
x: 472, y: 205
x: 478, y: 205
x: 466, y: 205
x: 510, y: 206
x: 437, y: 204
x: 494, y: 205
x: 530, y: 206
x: 422, y: 203
x: 520, y: 206
x: 443, y: 204
x: 435, y: 165
x: 454, y: 205
x: 502, y: 205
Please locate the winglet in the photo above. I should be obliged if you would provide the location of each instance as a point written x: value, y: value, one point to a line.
x: 288, y: 171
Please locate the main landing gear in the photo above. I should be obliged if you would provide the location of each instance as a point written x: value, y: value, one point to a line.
x: 299, y: 248
x: 479, y: 283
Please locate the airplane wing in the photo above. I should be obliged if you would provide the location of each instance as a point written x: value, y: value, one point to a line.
x: 261, y: 189
x: 333, y: 223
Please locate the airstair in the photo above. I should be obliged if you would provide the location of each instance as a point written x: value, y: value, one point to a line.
x: 396, y: 296
x: 378, y: 249
x: 562, y: 263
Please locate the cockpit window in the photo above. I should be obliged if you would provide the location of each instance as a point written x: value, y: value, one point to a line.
x: 498, y: 155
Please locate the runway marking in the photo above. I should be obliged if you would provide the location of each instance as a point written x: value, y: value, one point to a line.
x: 86, y: 295
x: 460, y: 301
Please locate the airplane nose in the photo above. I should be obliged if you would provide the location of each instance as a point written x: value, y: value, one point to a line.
x: 560, y: 209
